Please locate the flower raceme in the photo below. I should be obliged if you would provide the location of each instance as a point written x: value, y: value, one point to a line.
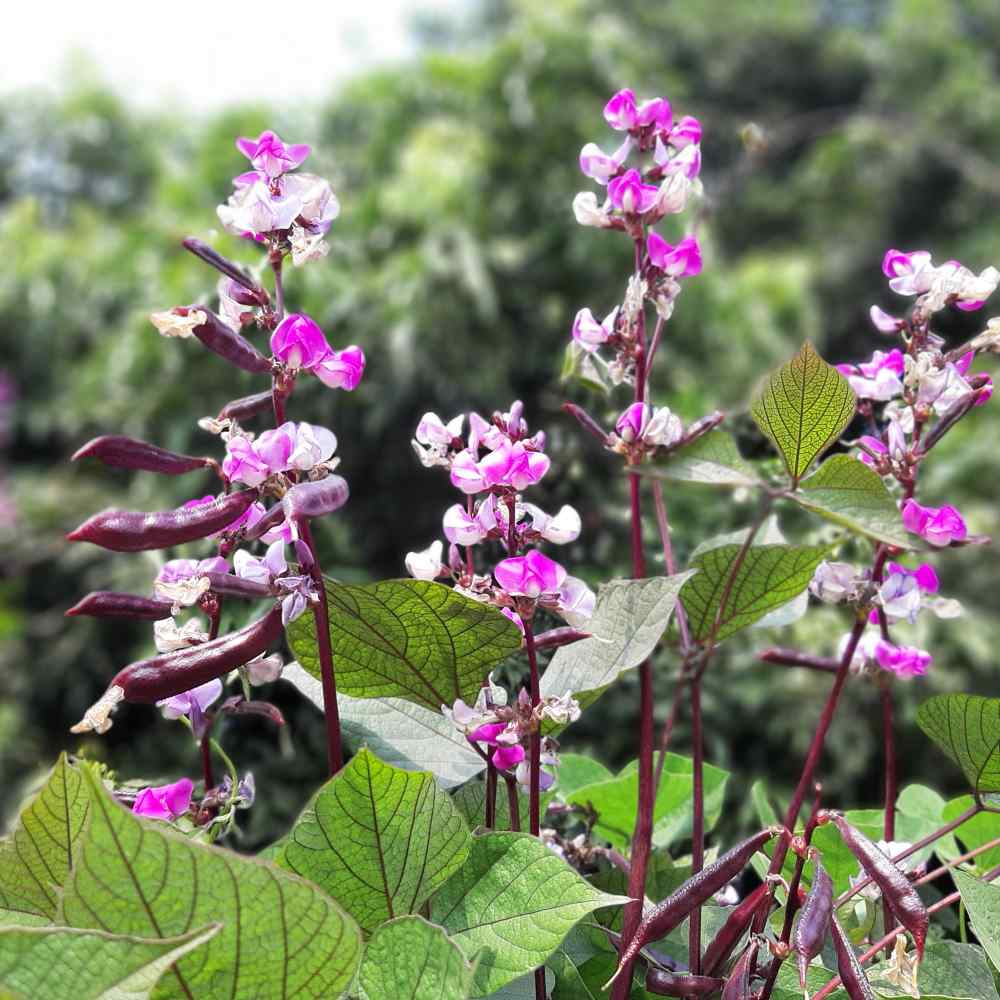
x: 299, y: 447
x: 914, y: 273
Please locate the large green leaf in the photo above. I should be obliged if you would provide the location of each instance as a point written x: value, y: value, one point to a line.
x: 769, y: 577
x: 281, y: 936
x: 576, y: 770
x: 615, y: 800
x: 378, y: 839
x: 411, y: 959
x: 803, y: 409
x: 949, y: 971
x: 713, y: 459
x: 967, y: 728
x: 628, y: 621
x: 398, y: 732
x: 512, y: 902
x: 847, y: 492
x: 410, y: 639
x: 982, y: 900
x: 981, y: 829
x: 67, y: 963
x: 37, y: 858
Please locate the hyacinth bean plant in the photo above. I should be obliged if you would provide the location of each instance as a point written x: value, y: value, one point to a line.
x: 457, y: 853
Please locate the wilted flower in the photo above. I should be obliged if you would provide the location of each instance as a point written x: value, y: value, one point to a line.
x: 178, y: 322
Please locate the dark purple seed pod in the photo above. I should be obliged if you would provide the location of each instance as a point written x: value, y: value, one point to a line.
x: 130, y: 453
x: 229, y: 344
x: 171, y: 673
x: 897, y: 891
x: 107, y: 604
x: 308, y: 500
x: 212, y: 257
x: 680, y: 984
x: 738, y: 984
x: 665, y: 916
x: 246, y: 407
x: 556, y: 637
x: 814, y: 919
x: 274, y: 517
x: 135, y: 531
x: 262, y: 709
x: 730, y: 933
x: 851, y: 974
x: 229, y: 585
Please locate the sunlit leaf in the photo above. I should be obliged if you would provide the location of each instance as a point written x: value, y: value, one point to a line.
x: 712, y: 459
x: 967, y: 728
x: 982, y: 900
x: 949, y: 970
x: 410, y: 639
x: 803, y: 409
x: 378, y: 839
x: 977, y: 831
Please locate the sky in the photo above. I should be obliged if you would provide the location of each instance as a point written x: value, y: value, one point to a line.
x: 201, y: 54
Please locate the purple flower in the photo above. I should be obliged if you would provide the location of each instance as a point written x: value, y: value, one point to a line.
x: 632, y: 422
x: 601, y: 166
x: 505, y: 758
x: 656, y: 111
x: 630, y: 195
x: 875, y: 445
x: 242, y: 464
x: 298, y: 342
x: 904, y: 661
x: 164, y: 801
x: 908, y: 273
x: 530, y: 575
x: 193, y: 704
x: 270, y: 155
x: 620, y: 111
x: 514, y: 617
x: 463, y: 528
x: 686, y: 132
x: 513, y: 465
x: 937, y: 525
x: 299, y: 446
x: 576, y: 602
x: 263, y: 570
x: 590, y: 334
x: 879, y: 379
x: 883, y: 322
x: 466, y: 474
x: 676, y: 261
x: 342, y: 369
x: 254, y: 210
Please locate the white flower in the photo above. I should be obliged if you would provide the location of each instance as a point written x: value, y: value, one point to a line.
x: 576, y: 602
x: 673, y: 194
x: 168, y: 635
x: 426, y: 565
x: 307, y: 246
x: 587, y: 213
x: 255, y: 209
x: 562, y: 710
x: 182, y: 593
x: 833, y: 582
x: 169, y: 324
x: 265, y: 669
x: 664, y: 428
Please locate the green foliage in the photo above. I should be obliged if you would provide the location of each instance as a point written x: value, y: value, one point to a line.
x: 982, y: 901
x: 139, y: 878
x: 976, y: 832
x: 63, y: 963
x: 948, y: 970
x: 512, y: 903
x: 803, y: 409
x: 967, y: 728
x: 765, y: 579
x: 37, y: 858
x: 378, y: 839
x: 470, y: 801
x: 713, y: 459
x: 410, y: 639
x: 628, y: 621
x: 411, y: 959
x: 847, y: 492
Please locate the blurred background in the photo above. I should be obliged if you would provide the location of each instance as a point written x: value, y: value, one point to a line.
x: 451, y: 131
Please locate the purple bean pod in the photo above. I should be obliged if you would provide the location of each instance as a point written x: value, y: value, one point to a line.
x: 246, y: 406
x: 738, y: 984
x: 274, y: 517
x: 667, y: 915
x: 556, y: 637
x: 136, y: 531
x: 168, y: 674
x: 129, y: 453
x: 851, y: 974
x: 309, y: 500
x: 229, y: 344
x: 229, y: 585
x: 814, y: 919
x: 897, y: 891
x: 212, y: 257
x: 107, y: 604
x: 729, y: 934
x: 680, y: 984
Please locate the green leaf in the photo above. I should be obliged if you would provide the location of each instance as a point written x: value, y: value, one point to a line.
x: 712, y: 459
x: 769, y: 577
x: 847, y: 492
x: 585, y: 980
x: 470, y: 801
x: 410, y: 639
x: 981, y: 829
x: 398, y: 732
x: 378, y: 839
x: 949, y: 970
x: 662, y: 877
x: 576, y: 770
x: 37, y: 859
x: 803, y: 409
x: 512, y: 902
x: 411, y: 959
x: 615, y: 800
x: 281, y: 936
x: 967, y: 728
x: 522, y: 988
x: 66, y: 963
x: 982, y: 901
x: 628, y: 621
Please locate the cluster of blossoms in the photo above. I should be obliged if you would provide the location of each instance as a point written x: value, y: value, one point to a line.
x: 637, y: 199
x: 492, y: 465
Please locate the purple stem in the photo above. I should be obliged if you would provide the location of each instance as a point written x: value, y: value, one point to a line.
x: 697, y: 820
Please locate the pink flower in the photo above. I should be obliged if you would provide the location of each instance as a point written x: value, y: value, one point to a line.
x: 686, y: 132
x: 875, y: 445
x: 164, y: 801
x: 878, y: 379
x: 620, y: 112
x: 466, y: 474
x: 632, y: 422
x: 254, y: 210
x: 908, y: 273
x: 342, y: 369
x: 270, y: 155
x: 514, y: 617
x: 883, y: 322
x: 656, y: 111
x: 936, y: 525
x: 299, y: 343
x: 904, y: 661
x: 590, y: 334
x: 176, y: 570
x: 193, y: 704
x: 677, y: 261
x: 513, y: 465
x: 464, y: 529
x: 505, y: 758
x: 601, y: 166
x: 530, y: 575
x: 242, y: 464
x: 630, y: 195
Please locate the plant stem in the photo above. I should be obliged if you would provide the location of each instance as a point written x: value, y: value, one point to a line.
x: 697, y: 820
x: 279, y: 289
x: 321, y: 616
x: 794, y: 658
x: 513, y: 803
x: 214, y: 618
x: 668, y: 729
x: 968, y: 856
x: 668, y: 560
x: 889, y: 755
x: 490, y: 819
x: 534, y: 799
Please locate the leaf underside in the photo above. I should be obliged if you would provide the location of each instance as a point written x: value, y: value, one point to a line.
x: 713, y: 459
x: 967, y: 728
